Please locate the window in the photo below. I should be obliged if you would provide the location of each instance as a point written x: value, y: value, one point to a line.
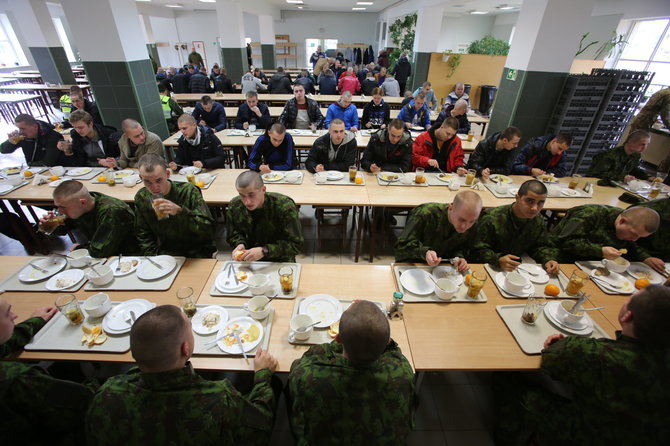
x: 11, y: 54
x: 58, y: 24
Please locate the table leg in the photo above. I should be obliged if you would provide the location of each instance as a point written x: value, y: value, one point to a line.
x: 373, y: 232
x: 359, y: 232
x: 30, y: 240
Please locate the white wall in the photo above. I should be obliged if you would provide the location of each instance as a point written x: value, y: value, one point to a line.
x: 600, y: 30
x: 503, y: 25
x: 457, y: 30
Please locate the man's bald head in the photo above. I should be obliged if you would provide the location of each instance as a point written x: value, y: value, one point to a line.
x: 465, y: 210
x: 129, y: 124
x: 364, y: 332
x: 70, y: 189
x: 157, y: 337
x: 469, y: 199
x: 249, y: 179
x: 643, y: 217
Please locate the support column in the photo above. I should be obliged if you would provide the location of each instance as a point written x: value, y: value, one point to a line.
x: 42, y: 40
x: 117, y: 66
x: 427, y: 21
x: 545, y: 41
x: 231, y: 30
x: 266, y: 26
x: 149, y: 38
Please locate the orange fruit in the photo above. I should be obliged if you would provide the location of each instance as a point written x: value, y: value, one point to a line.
x: 551, y: 290
x: 53, y: 177
x: 467, y: 279
x: 102, y: 179
x: 200, y: 184
x: 358, y: 180
x: 641, y: 283
x: 27, y: 174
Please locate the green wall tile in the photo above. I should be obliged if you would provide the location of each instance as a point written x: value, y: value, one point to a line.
x: 268, y: 60
x: 419, y: 71
x: 235, y: 61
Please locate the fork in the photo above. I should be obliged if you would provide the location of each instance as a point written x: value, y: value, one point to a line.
x: 606, y: 283
x: 118, y: 264
x: 236, y: 333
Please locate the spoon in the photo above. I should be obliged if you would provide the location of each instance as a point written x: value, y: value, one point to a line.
x: 269, y: 300
x: 602, y: 271
x: 304, y: 329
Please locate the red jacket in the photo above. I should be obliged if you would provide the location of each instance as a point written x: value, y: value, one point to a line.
x: 349, y: 83
x: 422, y: 151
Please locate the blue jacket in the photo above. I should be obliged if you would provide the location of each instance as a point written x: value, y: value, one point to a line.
x: 349, y: 115
x: 215, y: 119
x: 535, y: 155
x: 244, y: 114
x: 327, y: 84
x: 278, y: 158
x: 408, y: 112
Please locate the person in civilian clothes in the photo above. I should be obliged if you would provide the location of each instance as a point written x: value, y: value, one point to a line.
x: 198, y: 146
x: 439, y: 149
x: 272, y: 151
x: 336, y: 150
x: 543, y: 155
x: 210, y: 113
x: 389, y: 150
x: 253, y: 112
x: 495, y: 154
x: 377, y: 113
x: 459, y: 110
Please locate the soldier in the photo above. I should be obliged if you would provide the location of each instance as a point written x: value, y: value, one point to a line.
x: 136, y: 142
x: 106, y: 222
x: 164, y: 401
x: 594, y: 231
x: 336, y: 150
x: 621, y: 163
x: 362, y: 385
x: 389, y: 149
x: 495, y: 154
x: 617, y: 388
x: 35, y: 407
x: 437, y: 230
x: 543, y: 155
x: 507, y: 232
x: 171, y: 218
x: 260, y: 224
x: 658, y: 243
x: 198, y: 146
x: 658, y: 104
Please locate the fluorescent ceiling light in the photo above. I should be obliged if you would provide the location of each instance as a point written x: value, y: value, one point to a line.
x: 174, y: 5
x: 295, y: 2
x: 207, y: 1
x: 505, y: 7
x: 142, y: 0
x: 358, y: 9
x: 478, y: 12
x: 365, y: 3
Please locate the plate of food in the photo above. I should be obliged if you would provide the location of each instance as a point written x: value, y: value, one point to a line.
x: 569, y: 192
x: 417, y: 128
x: 160, y: 267
x: 638, y: 185
x: 334, y: 175
x: 209, y: 320
x: 121, y: 174
x: 644, y: 272
x: 445, y: 176
x: 55, y: 183
x: 417, y: 281
x: 249, y: 331
x: 614, y: 282
x: 547, y: 178
x: 321, y: 307
x: 448, y: 272
x: 11, y: 170
x: 118, y: 319
x: 64, y: 280
x: 389, y: 177
x: 78, y: 171
x: 497, y: 178
x: 44, y: 268
x: 128, y: 265
x: 189, y: 169
x: 273, y: 176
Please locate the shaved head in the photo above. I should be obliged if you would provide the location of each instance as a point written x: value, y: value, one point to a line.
x: 644, y: 217
x: 364, y: 332
x: 249, y: 179
x: 157, y: 336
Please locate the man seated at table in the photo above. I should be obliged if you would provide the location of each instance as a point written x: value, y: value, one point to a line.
x: 439, y: 149
x: 437, y: 231
x: 458, y: 93
x: 163, y: 400
x: 301, y: 112
x: 349, y: 82
x: 263, y: 225
x: 199, y: 83
x: 307, y: 81
x: 376, y: 113
x: 280, y: 82
x: 361, y: 383
x: 336, y: 150
x: 594, y: 232
x: 185, y: 227
x: 327, y: 82
x: 210, y: 113
x: 459, y: 110
x: 251, y: 83
x: 543, y: 155
x: 252, y: 112
x: 621, y: 163
x: 171, y: 110
x: 36, y: 408
x: 136, y: 142
x: 506, y: 232
x: 92, y: 145
x: 416, y: 114
x: 106, y: 223
x: 495, y: 154
x: 429, y: 93
x: 39, y: 142
x: 344, y: 110
x: 80, y: 102
x: 198, y: 146
x: 272, y: 151
x: 369, y: 84
x: 389, y: 150
x: 602, y: 391
x: 658, y: 243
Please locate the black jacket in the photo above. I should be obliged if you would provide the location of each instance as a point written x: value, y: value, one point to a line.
x: 345, y: 155
x: 463, y: 122
x: 209, y: 151
x: 376, y: 114
x: 244, y: 114
x: 290, y: 113
x: 223, y: 84
x: 280, y: 83
x: 180, y: 83
x: 391, y: 159
x: 110, y: 145
x: 199, y: 83
x: 327, y: 84
x: 367, y: 86
x: 47, y: 154
x: 402, y: 70
x: 307, y: 83
x: 485, y: 155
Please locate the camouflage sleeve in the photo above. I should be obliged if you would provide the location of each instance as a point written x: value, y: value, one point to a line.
x: 114, y: 225
x: 410, y: 247
x: 543, y: 250
x: 146, y: 237
x: 234, y: 224
x: 195, y: 215
x: 573, y: 240
x: 290, y: 241
x: 22, y: 335
x: 482, y: 249
x: 639, y: 173
x: 259, y: 408
x: 604, y: 167
x: 571, y: 358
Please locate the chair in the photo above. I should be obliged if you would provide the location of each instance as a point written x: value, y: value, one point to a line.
x: 327, y: 211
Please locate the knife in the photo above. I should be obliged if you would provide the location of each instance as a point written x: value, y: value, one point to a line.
x: 154, y: 263
x: 42, y: 270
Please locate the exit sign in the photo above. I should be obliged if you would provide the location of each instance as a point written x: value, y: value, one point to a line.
x: 511, y: 74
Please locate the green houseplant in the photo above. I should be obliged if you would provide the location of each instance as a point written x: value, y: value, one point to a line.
x: 489, y: 45
x: 402, y: 32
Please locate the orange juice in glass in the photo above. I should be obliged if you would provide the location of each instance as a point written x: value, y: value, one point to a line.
x: 155, y: 201
x: 477, y: 281
x: 576, y: 282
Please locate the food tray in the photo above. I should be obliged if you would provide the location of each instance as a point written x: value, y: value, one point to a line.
x: 118, y: 180
x: 234, y: 311
x: 21, y: 184
x: 242, y: 132
x: 34, y: 169
x: 656, y: 277
x: 131, y: 282
x: 342, y: 181
x: 460, y: 296
x: 644, y: 193
x: 12, y: 283
x: 59, y: 335
x: 531, y: 337
x: 320, y: 335
x: 399, y: 183
x: 92, y: 174
x: 589, y: 265
x: 561, y: 281
x: 431, y: 178
x: 285, y: 181
x: 178, y: 178
x: 270, y: 268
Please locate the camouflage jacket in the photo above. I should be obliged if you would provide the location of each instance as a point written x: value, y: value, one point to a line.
x: 619, y: 393
x: 189, y: 233
x: 658, y: 243
x: 356, y: 406
x: 658, y: 103
x: 585, y: 229
x: 179, y: 407
x: 428, y: 228
x: 614, y: 164
x: 501, y: 232
x: 275, y: 226
x: 22, y: 335
x: 108, y: 227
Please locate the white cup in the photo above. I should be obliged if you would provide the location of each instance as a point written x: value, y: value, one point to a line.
x: 292, y: 177
x: 502, y: 188
x: 130, y: 181
x: 57, y: 171
x: 454, y: 185
x: 618, y: 265
x: 445, y: 288
x: 101, y: 275
x: 252, y: 127
x: 97, y: 305
x: 79, y: 258
x: 515, y: 282
x: 563, y: 311
x: 320, y: 177
x: 297, y: 327
x: 257, y: 307
x: 258, y: 284
x: 407, y: 178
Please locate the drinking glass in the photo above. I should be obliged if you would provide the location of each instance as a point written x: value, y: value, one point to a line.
x: 420, y: 178
x: 352, y: 173
x: 154, y: 203
x: 69, y: 306
x: 185, y: 297
x: 576, y: 283
x: 470, y: 177
x: 477, y: 281
x: 531, y: 311
x: 51, y: 222
x: 286, y: 279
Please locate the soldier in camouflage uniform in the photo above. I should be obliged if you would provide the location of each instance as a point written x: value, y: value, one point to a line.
x: 36, y: 408
x: 621, y: 163
x: 619, y: 392
x: 189, y: 229
x: 594, y: 231
x: 436, y: 230
x: 165, y: 402
x: 658, y: 104
x: 356, y: 390
x: 106, y: 222
x: 507, y: 232
x: 658, y: 243
x: 263, y: 225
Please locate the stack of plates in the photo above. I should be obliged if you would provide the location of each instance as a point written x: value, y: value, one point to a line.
x: 116, y: 321
x: 582, y: 328
x: 334, y: 175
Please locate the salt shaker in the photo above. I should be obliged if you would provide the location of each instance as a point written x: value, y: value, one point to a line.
x: 397, y: 306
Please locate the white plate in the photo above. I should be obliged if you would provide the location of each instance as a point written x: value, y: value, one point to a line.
x: 11, y: 170
x: 389, y: 177
x: 548, y: 179
x: 448, y: 272
x: 244, y: 324
x: 321, y: 307
x: 539, y: 275
x: 273, y: 176
x: 149, y: 271
x: 115, y: 321
x: 513, y: 191
x: 115, y: 262
x: 638, y: 185
x: 497, y: 178
x: 417, y: 281
x: 121, y: 174
x: 69, y: 278
x: 445, y: 176
x: 55, y: 183
x: 53, y: 265
x: 613, y: 279
x: 582, y: 328
x: 500, y: 281
x: 417, y: 129
x: 569, y: 192
x: 196, y: 321
x: 4, y: 188
x: 233, y: 287
x: 644, y: 272
x: 334, y: 175
x: 78, y: 171
x: 190, y: 169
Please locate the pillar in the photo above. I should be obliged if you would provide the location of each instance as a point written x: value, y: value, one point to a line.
x: 114, y: 55
x: 266, y: 27
x: 428, y: 20
x: 544, y: 44
x: 231, y: 31
x: 149, y: 38
x: 41, y: 38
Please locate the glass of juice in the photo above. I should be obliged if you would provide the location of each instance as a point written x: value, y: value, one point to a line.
x: 286, y: 279
x: 69, y: 306
x: 576, y: 283
x: 185, y: 297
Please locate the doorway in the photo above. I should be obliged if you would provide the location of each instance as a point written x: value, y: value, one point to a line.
x: 325, y: 44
